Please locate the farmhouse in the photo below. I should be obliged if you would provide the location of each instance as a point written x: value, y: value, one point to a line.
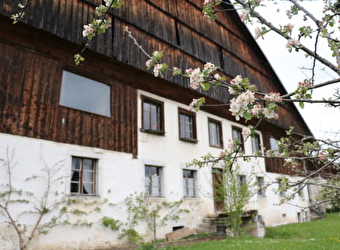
x: 113, y: 129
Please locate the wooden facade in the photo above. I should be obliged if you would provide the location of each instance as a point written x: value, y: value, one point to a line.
x: 34, y: 53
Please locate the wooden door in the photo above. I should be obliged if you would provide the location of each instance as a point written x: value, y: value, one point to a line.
x: 218, y: 190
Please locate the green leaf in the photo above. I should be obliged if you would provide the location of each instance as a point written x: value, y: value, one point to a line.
x: 247, y: 116
x: 205, y: 86
x: 301, y: 104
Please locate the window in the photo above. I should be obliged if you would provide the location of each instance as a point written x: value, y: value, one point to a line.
x: 260, y: 186
x: 153, y: 181
x: 241, y: 180
x: 215, y: 133
x: 300, y: 190
x: 85, y: 94
x: 256, y: 143
x: 273, y: 144
x: 187, y: 125
x: 189, y: 183
x: 83, y: 176
x: 152, y: 116
x: 238, y: 137
x: 282, y: 186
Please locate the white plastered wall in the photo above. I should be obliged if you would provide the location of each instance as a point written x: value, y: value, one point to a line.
x: 119, y: 175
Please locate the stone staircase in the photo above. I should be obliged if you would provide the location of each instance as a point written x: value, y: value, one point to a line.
x: 216, y: 224
x: 316, y: 210
x: 210, y: 225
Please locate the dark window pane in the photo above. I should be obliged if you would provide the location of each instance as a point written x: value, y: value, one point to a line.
x: 74, y: 187
x: 75, y: 176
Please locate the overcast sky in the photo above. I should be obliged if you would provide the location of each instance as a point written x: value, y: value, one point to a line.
x: 321, y: 120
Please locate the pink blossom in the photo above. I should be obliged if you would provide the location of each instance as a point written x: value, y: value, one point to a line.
x: 322, y: 155
x: 258, y: 32
x: 256, y: 110
x: 273, y: 97
x: 196, y: 78
x: 88, y: 30
x: 289, y: 14
x: 148, y: 63
x: 240, y: 104
x: 157, y: 69
x: 292, y: 43
x: 176, y: 71
x: 289, y: 27
x: 244, y: 15
x: 305, y: 83
x: 246, y: 133
x: 269, y: 113
x: 188, y: 71
x: 237, y: 80
x: 217, y: 77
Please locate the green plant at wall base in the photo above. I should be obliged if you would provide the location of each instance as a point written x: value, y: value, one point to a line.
x: 236, y: 197
x: 155, y: 214
x: 140, y: 209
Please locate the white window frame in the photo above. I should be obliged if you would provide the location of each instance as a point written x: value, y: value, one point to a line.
x: 186, y: 183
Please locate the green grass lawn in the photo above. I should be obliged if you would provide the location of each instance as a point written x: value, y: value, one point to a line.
x: 320, y: 234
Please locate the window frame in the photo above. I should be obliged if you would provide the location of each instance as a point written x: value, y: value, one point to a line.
x: 218, y: 135
x: 274, y: 146
x: 241, y: 180
x: 257, y: 143
x: 193, y: 129
x: 280, y: 185
x: 160, y: 116
x: 260, y: 186
x: 81, y: 180
x: 65, y: 87
x: 148, y: 187
x: 239, y: 138
x: 186, y: 187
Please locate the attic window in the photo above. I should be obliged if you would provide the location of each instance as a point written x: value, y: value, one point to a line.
x: 85, y: 94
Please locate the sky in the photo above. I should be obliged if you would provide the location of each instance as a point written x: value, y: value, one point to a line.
x: 322, y: 121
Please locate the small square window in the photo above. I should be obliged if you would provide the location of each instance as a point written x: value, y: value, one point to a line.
x: 189, y: 183
x: 83, y: 176
x: 153, y: 181
x: 187, y: 125
x: 152, y: 116
x: 238, y: 137
x: 85, y: 94
x: 215, y: 133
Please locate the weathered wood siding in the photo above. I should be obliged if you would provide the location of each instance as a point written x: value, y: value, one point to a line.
x: 29, y: 105
x: 176, y: 27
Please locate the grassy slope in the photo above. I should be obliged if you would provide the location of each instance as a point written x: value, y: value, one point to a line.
x: 320, y: 234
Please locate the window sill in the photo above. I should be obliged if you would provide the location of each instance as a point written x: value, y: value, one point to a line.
x: 189, y: 140
x: 190, y: 197
x: 81, y: 196
x: 151, y: 131
x: 154, y: 198
x: 216, y: 146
